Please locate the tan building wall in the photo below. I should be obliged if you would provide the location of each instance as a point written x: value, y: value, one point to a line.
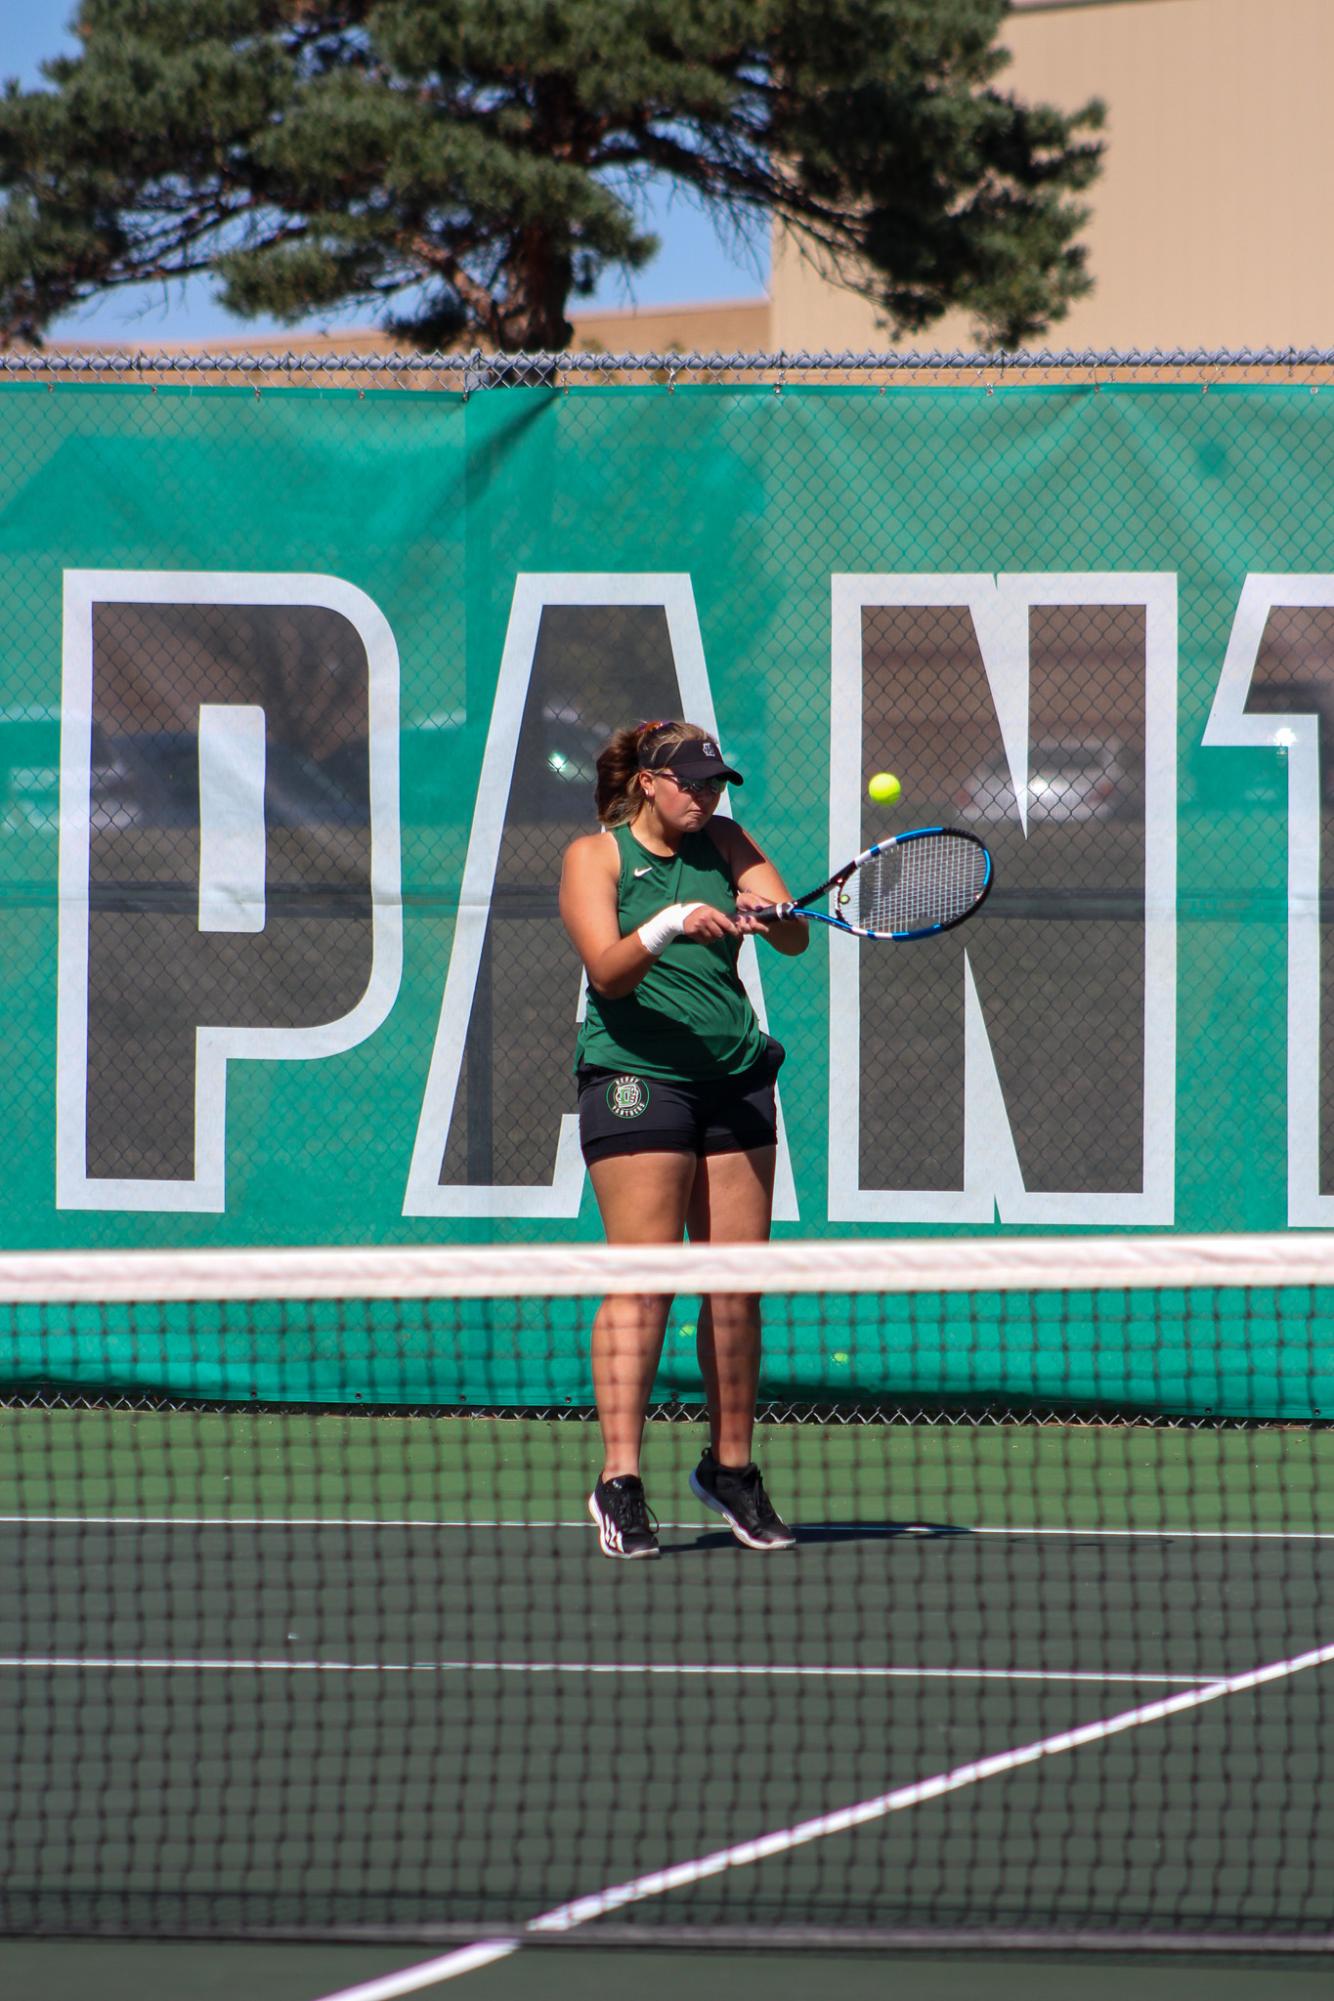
x: 1211, y: 220
x: 728, y: 327
x: 737, y: 327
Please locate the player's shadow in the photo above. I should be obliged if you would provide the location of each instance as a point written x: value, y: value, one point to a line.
x: 827, y: 1532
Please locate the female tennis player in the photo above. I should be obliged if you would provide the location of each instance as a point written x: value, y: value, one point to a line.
x: 676, y: 1098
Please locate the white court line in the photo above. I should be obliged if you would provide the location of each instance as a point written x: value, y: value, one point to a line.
x: 413, y: 1978
x: 300, y: 1522
x: 922, y: 1529
x: 304, y: 1522
x: 1198, y: 1535
x: 567, y: 1917
x: 730, y: 1670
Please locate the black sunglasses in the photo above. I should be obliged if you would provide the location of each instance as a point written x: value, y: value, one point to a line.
x: 692, y: 784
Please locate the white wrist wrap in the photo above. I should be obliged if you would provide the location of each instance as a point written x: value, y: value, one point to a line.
x: 658, y: 932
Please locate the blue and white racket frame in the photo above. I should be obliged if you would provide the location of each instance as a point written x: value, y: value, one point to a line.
x: 965, y: 854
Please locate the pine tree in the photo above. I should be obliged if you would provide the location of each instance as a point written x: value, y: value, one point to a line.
x: 461, y: 169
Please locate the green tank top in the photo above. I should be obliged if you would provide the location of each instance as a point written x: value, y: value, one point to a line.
x: 690, y: 1017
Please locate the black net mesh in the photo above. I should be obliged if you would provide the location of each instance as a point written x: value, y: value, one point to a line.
x: 354, y: 1665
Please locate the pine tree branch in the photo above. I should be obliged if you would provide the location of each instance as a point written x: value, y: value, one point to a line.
x: 312, y: 152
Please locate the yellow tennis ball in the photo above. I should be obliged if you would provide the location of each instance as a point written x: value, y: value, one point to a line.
x: 884, y: 788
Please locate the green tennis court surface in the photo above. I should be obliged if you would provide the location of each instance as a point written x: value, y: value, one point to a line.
x: 239, y: 1462
x: 367, y: 1677
x: 45, y: 1971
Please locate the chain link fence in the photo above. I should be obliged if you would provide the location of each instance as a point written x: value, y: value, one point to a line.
x: 378, y: 365
x: 729, y: 490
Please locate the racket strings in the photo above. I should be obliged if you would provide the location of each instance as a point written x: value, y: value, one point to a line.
x: 933, y: 880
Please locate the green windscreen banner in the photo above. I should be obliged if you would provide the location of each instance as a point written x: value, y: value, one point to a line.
x: 302, y: 691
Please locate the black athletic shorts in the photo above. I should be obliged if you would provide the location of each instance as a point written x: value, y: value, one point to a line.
x: 622, y: 1113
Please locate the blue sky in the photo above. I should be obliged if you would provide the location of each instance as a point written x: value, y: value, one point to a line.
x: 692, y: 266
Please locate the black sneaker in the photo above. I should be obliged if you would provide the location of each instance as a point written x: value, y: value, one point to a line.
x: 737, y: 1494
x: 626, y: 1523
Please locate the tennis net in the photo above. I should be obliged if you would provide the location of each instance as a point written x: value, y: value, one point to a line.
x: 306, y: 1632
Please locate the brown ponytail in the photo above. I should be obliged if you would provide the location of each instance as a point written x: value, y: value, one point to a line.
x: 617, y: 793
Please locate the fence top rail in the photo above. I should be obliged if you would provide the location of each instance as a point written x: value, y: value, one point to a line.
x: 478, y: 370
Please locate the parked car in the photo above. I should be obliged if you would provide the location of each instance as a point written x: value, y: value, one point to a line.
x: 552, y: 777
x: 150, y: 778
x: 1067, y: 781
x: 558, y: 781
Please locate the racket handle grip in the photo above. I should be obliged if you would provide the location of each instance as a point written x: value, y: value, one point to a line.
x: 773, y: 912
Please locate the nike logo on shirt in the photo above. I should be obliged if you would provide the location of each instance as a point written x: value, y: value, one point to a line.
x: 643, y: 871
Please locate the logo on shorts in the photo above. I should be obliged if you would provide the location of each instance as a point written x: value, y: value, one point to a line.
x: 627, y: 1097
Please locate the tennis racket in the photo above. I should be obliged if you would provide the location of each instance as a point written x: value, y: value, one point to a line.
x: 911, y: 886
